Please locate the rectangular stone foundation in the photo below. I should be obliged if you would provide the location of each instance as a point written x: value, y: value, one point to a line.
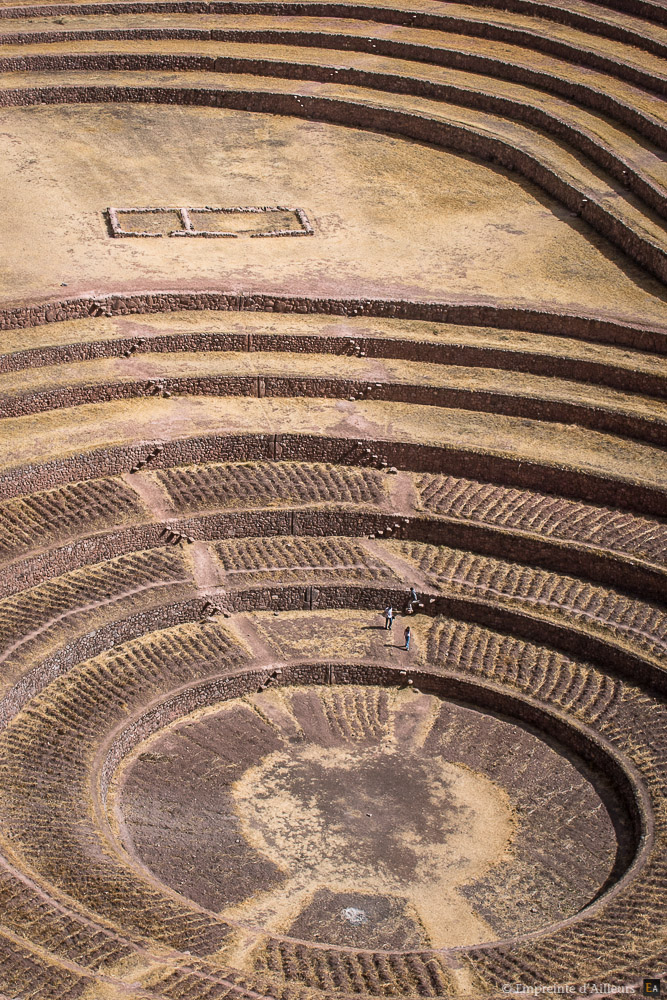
x: 208, y: 222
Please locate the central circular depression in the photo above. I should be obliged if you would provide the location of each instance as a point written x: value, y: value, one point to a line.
x: 372, y: 825
x: 370, y: 817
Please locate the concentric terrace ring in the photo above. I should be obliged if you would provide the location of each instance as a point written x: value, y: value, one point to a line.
x: 221, y: 776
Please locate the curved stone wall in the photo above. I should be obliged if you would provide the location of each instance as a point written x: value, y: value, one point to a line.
x: 220, y: 459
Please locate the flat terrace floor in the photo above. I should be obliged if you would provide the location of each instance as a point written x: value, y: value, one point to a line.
x: 81, y: 430
x: 177, y: 327
x: 392, y: 218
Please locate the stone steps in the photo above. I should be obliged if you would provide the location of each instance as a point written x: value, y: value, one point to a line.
x: 501, y: 451
x: 516, y: 451
x: 584, y: 606
x: 323, y: 376
x: 314, y: 968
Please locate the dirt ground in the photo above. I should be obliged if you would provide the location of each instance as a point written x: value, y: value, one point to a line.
x: 475, y: 231
x: 365, y: 817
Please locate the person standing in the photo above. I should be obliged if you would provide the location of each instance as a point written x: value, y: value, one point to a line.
x: 388, y: 617
x: 408, y: 636
x: 412, y: 601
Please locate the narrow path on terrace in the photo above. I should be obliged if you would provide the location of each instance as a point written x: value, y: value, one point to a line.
x: 152, y: 493
x: 530, y: 442
x: 208, y: 572
x: 249, y: 634
x: 411, y: 574
x: 403, y: 497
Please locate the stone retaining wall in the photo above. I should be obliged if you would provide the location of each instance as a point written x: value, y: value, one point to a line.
x: 465, y: 139
x: 467, y: 463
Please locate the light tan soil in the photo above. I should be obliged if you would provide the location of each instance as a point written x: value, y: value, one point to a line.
x: 101, y: 425
x: 474, y: 231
